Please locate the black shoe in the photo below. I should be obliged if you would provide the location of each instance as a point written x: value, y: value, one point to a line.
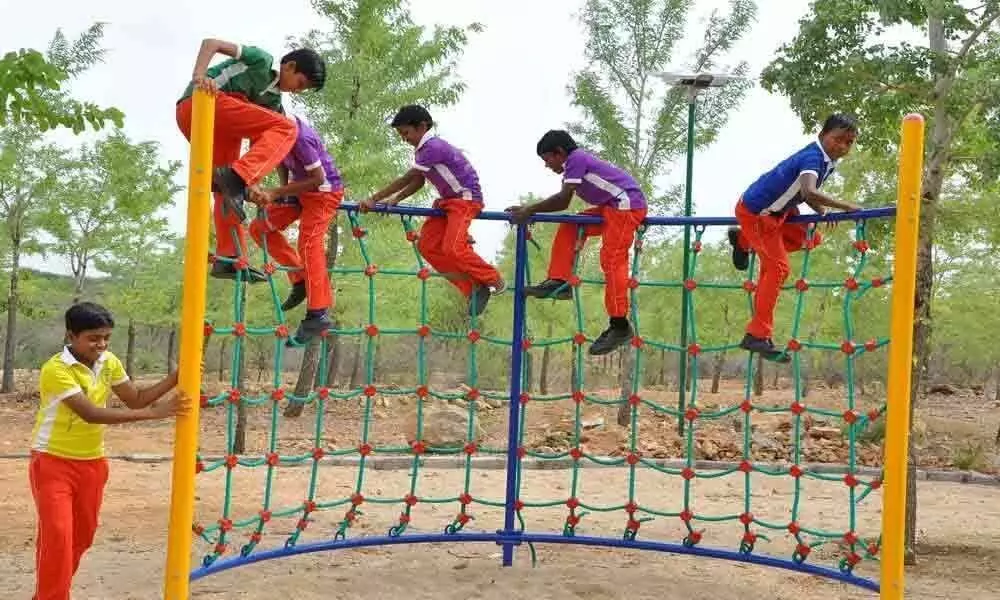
x: 478, y: 300
x: 233, y: 190
x: 610, y: 340
x: 227, y: 270
x: 765, y: 347
x: 311, y: 327
x: 741, y: 258
x: 550, y: 288
x: 296, y: 297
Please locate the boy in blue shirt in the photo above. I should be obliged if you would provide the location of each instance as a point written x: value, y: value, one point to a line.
x: 762, y: 213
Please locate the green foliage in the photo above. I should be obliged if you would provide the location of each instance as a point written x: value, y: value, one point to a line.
x: 629, y: 116
x: 32, y: 85
x: 105, y: 209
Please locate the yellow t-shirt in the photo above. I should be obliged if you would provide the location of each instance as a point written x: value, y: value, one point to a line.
x: 60, y: 431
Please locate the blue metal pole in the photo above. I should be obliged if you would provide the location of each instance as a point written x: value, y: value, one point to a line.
x: 514, y: 424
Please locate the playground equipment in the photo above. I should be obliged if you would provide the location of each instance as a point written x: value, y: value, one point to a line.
x: 239, y: 539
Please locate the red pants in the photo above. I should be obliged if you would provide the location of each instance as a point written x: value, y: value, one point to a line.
x: 617, y: 234
x: 67, y: 497
x: 771, y: 238
x: 273, y: 136
x: 314, y: 213
x: 444, y: 243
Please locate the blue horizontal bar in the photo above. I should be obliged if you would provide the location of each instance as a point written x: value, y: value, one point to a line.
x: 535, y: 538
x: 414, y: 211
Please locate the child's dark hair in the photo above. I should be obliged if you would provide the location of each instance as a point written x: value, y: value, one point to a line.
x: 412, y: 115
x: 86, y: 316
x: 839, y: 121
x: 555, y: 139
x: 309, y: 63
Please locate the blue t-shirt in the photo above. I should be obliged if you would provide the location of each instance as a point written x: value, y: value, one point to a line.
x: 778, y: 190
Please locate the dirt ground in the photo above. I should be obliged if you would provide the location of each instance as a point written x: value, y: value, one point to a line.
x: 959, y: 524
x: 960, y: 542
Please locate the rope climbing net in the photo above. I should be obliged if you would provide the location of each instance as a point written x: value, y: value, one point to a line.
x: 230, y: 537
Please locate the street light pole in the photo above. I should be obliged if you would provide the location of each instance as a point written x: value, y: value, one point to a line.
x: 693, y: 84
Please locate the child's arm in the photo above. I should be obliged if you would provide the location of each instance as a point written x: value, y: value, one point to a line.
x: 314, y: 179
x: 209, y: 48
x: 89, y: 412
x: 815, y: 198
x: 554, y: 203
x: 136, y: 399
x: 403, y: 187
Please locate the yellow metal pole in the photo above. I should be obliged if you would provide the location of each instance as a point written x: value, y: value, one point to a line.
x: 897, y: 426
x: 178, y: 567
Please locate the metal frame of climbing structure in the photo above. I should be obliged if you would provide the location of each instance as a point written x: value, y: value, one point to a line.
x: 511, y: 533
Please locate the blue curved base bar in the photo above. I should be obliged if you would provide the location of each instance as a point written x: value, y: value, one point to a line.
x: 535, y: 538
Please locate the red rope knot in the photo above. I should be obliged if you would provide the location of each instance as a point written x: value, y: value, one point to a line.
x: 418, y: 447
x: 851, y: 284
x: 371, y: 270
x: 802, y: 285
x: 225, y: 525
x: 878, y: 282
x: 472, y: 395
x: 278, y: 395
x: 273, y: 460
x: 270, y: 268
x: 687, y: 473
x: 696, y: 246
x: 798, y: 408
x: 749, y: 286
x: 357, y: 499
x: 794, y: 528
x: 632, y: 458
x: 239, y: 329
x: 848, y: 347
x: 579, y: 339
x: 576, y: 454
x: 423, y: 274
x: 794, y: 345
x: 317, y: 453
x: 578, y: 396
x: 694, y: 349
x: 746, y: 406
x: 691, y: 414
x: 746, y: 519
x: 522, y: 452
x: 526, y: 344
x: 232, y: 461
x: 411, y: 500
x: 634, y: 400
x: 422, y: 391
x: 746, y: 466
x: 690, y: 284
x: 358, y: 232
x: 470, y: 448
x: 370, y: 391
x: 871, y: 345
x: 686, y: 515
x: 207, y: 329
x: 795, y: 471
x: 423, y: 331
x: 233, y: 397
x: 574, y: 280
x: 861, y: 246
x: 473, y: 336
x: 850, y: 480
x: 525, y: 398
x: 633, y: 283
x: 851, y: 416
x: 465, y: 499
x: 371, y: 330
x: 412, y: 236
x: 637, y: 342
x: 281, y: 331
x: 365, y: 449
x: 203, y: 400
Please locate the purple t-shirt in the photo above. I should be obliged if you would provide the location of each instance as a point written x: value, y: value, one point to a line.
x: 447, y: 169
x: 308, y: 153
x: 601, y: 183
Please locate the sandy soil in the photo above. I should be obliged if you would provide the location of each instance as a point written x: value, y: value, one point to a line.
x: 960, y: 532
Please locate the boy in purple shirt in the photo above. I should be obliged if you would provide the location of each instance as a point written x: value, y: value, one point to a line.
x: 616, y: 197
x: 310, y: 192
x: 444, y: 241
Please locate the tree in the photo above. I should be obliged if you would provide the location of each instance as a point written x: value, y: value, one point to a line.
x: 628, y: 115
x: 33, y: 100
x: 111, y: 194
x: 377, y: 60
x: 31, y: 85
x: 835, y: 62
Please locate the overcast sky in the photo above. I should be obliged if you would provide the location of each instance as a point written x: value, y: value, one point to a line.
x: 518, y: 66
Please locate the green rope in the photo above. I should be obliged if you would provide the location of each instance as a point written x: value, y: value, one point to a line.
x: 218, y: 535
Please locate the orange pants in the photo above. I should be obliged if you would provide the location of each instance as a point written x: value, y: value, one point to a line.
x: 314, y: 213
x: 771, y: 238
x: 617, y: 234
x: 67, y: 497
x: 273, y: 136
x: 445, y: 244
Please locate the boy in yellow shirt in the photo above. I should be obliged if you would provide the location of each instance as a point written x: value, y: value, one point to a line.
x: 68, y: 469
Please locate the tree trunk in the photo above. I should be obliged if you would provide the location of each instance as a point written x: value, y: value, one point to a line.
x: 172, y: 350
x: 307, y: 374
x: 333, y: 359
x: 937, y: 153
x: 12, y: 306
x: 359, y: 350
x: 543, y: 378
x: 717, y: 364
x: 628, y: 357
x: 130, y: 348
x: 222, y: 358
x: 758, y: 377
x: 776, y: 379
